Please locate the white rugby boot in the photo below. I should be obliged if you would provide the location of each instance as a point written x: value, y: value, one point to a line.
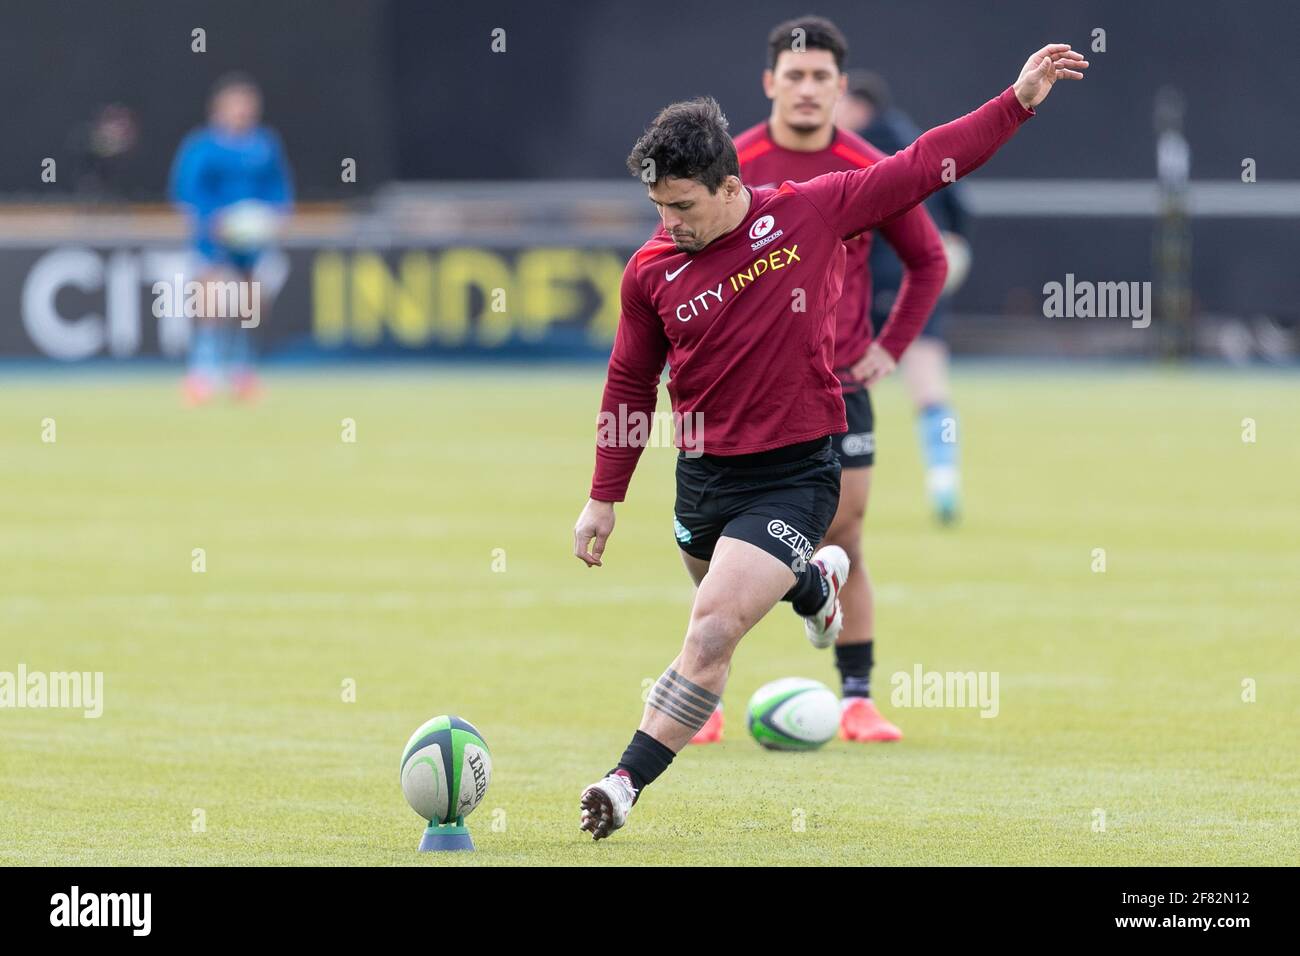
x: 606, y: 804
x: 824, y: 627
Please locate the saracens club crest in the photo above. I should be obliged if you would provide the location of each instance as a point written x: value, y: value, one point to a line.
x: 762, y: 231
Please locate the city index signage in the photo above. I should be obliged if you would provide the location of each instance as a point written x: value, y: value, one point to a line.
x: 74, y: 302
x: 463, y: 296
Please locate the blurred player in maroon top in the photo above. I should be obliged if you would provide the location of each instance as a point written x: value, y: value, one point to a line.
x: 740, y: 303
x: 867, y: 110
x: 797, y: 142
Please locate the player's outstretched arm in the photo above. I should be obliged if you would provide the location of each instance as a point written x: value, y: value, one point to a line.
x: 853, y: 202
x: 1056, y: 61
x: 593, y: 529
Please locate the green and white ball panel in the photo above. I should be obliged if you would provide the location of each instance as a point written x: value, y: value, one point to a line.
x: 446, y: 769
x: 793, y: 713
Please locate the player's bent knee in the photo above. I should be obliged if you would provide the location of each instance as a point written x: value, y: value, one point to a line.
x: 712, y: 636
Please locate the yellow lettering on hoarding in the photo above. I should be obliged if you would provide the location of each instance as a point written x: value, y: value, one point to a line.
x: 328, y: 322
x: 447, y: 295
x: 605, y: 270
x: 459, y: 272
x: 413, y: 305
x: 546, y: 285
x: 380, y: 300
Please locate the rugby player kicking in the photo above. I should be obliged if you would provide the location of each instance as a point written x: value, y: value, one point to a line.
x: 740, y: 302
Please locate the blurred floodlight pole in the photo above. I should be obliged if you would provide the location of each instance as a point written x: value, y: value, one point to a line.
x: 1172, y: 247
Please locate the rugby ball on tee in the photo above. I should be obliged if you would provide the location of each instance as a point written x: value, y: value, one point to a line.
x: 446, y: 768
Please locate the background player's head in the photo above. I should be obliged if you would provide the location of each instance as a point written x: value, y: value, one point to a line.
x: 867, y: 96
x: 235, y: 103
x: 689, y: 165
x: 805, y: 72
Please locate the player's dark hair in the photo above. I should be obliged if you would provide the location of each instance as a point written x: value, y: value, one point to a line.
x: 818, y: 33
x: 869, y: 86
x: 687, y: 140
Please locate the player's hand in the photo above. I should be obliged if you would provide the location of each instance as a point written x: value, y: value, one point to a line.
x: 595, y: 524
x: 1056, y: 61
x: 873, y: 366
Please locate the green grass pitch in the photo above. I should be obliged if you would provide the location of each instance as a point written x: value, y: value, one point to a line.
x: 373, y: 562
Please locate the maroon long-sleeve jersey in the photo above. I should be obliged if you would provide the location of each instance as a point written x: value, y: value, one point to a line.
x: 912, y: 235
x: 746, y: 324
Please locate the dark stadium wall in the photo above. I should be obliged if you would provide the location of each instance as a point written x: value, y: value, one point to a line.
x: 325, y: 66
x: 412, y: 88
x: 572, y: 91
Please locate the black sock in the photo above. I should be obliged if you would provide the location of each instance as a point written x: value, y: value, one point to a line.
x: 854, y: 662
x: 644, y: 760
x: 809, y: 592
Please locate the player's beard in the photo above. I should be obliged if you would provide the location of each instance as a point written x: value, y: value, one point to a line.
x: 806, y: 127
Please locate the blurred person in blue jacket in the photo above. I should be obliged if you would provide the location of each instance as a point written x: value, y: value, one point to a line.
x: 233, y: 181
x: 867, y: 110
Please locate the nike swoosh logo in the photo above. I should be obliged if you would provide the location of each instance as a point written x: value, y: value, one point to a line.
x: 670, y: 276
